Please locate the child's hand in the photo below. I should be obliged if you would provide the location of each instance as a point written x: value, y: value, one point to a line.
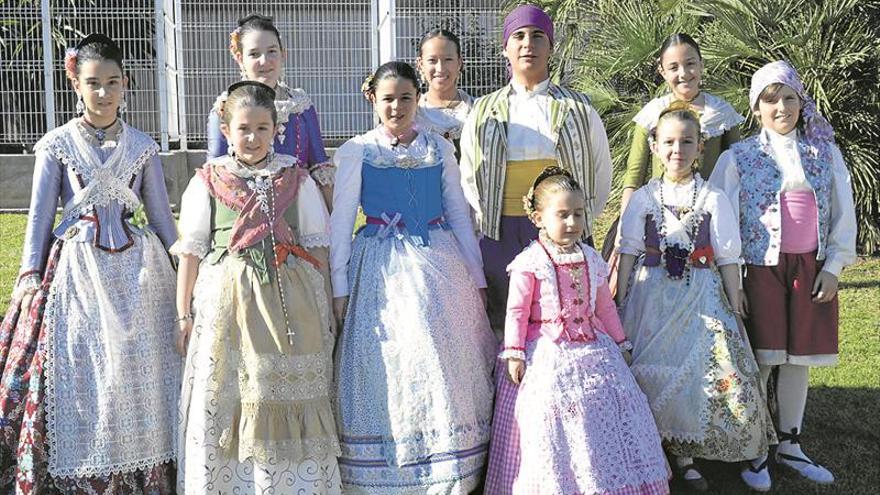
x: 185, y: 330
x: 627, y: 357
x: 825, y: 287
x: 340, y: 306
x: 25, y: 305
x: 516, y: 368
x: 742, y: 307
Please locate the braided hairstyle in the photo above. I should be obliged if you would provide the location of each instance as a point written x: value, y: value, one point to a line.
x: 551, y: 180
x: 95, y: 46
x: 388, y: 70
x: 248, y: 94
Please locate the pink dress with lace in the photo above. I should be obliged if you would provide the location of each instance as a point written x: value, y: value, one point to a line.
x: 582, y: 422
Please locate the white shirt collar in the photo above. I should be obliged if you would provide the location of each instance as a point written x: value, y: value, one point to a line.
x: 774, y: 138
x: 540, y: 89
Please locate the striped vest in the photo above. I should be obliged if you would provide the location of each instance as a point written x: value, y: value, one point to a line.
x: 570, y: 127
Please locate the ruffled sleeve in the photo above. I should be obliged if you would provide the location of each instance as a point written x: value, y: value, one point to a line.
x: 457, y: 213
x: 195, y: 221
x: 313, y: 221
x: 348, y: 160
x: 632, y: 224
x: 519, y: 306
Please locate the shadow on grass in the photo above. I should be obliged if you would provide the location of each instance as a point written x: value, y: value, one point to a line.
x: 842, y: 432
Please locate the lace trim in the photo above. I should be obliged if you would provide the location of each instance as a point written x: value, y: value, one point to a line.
x: 295, y: 450
x: 278, y: 163
x: 424, y: 151
x: 298, y: 102
x: 192, y: 247
x: 27, y: 285
x: 512, y: 354
x: 717, y: 117
x: 323, y: 173
x: 310, y: 241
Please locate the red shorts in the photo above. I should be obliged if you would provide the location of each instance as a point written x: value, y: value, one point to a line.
x: 785, y: 325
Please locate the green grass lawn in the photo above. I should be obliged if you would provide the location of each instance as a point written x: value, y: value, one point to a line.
x: 842, y: 425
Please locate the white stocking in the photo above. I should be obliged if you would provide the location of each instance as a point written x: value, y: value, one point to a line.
x: 791, y: 393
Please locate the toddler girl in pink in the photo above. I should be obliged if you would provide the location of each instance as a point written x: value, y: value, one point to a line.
x: 580, y: 423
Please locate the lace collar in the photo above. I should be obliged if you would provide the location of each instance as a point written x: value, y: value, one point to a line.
x: 716, y: 117
x: 276, y: 164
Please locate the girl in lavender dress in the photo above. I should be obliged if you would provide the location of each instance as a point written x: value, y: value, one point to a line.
x: 90, y: 380
x: 583, y: 426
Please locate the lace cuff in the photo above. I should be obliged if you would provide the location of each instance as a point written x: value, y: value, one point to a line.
x: 192, y: 247
x: 27, y: 285
x: 314, y: 240
x: 323, y: 173
x: 513, y: 353
x: 625, y: 346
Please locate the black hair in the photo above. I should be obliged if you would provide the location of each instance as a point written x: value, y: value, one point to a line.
x: 675, y: 40
x: 441, y: 33
x: 389, y: 70
x: 253, y: 22
x: 95, y: 46
x: 249, y: 94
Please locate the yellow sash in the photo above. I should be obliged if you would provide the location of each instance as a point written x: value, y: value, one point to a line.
x: 519, y: 177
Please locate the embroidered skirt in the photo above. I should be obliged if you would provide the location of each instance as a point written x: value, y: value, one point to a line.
x: 414, y: 370
x: 695, y: 366
x: 100, y: 322
x: 255, y: 410
x: 579, y: 424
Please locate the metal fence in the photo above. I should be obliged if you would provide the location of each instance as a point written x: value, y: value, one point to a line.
x: 177, y: 58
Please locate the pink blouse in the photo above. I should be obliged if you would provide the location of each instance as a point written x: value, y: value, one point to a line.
x: 552, y: 295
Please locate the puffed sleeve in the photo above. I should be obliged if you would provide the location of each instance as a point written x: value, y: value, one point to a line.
x: 632, y: 224
x: 156, y: 206
x: 195, y: 221
x: 723, y: 230
x: 38, y: 237
x: 320, y: 167
x: 606, y: 310
x: 313, y: 221
x: 457, y: 214
x: 519, y: 308
x: 346, y: 199
x: 601, y: 157
x: 469, y: 151
x: 840, y: 248
x: 725, y: 177
x: 216, y: 140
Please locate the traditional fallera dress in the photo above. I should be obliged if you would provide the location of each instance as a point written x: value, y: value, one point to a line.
x: 299, y: 133
x: 90, y: 377
x: 689, y: 356
x: 794, y: 203
x: 448, y: 121
x: 580, y: 423
x: 415, y: 359
x: 255, y: 408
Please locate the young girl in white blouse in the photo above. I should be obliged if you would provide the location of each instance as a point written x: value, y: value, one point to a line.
x: 690, y: 355
x: 791, y: 193
x: 414, y: 361
x: 255, y: 323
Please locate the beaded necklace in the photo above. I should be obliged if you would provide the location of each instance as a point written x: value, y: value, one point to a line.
x: 676, y: 257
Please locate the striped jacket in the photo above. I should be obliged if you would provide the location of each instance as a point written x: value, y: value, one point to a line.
x: 581, y: 147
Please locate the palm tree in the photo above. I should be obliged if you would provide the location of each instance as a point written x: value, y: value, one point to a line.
x: 607, y: 48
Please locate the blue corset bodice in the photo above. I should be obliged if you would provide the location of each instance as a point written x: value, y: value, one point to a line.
x: 402, y: 201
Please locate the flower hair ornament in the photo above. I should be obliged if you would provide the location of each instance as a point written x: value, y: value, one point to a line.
x: 367, y: 86
x: 71, y: 54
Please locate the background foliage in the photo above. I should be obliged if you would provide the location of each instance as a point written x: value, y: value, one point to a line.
x: 608, y: 49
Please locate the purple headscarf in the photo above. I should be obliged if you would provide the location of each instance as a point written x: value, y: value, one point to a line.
x: 527, y: 15
x: 816, y: 128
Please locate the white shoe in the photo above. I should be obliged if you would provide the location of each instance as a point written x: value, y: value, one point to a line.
x: 757, y: 478
x: 806, y: 468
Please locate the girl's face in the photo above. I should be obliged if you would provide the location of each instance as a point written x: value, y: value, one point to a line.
x: 439, y: 64
x: 261, y: 58
x: 563, y: 217
x: 395, y: 102
x: 781, y: 114
x: 677, y: 145
x: 250, y: 133
x: 101, y: 85
x: 682, y: 69
x: 528, y: 51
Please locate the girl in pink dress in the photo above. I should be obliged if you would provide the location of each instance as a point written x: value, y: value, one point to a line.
x: 579, y: 411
